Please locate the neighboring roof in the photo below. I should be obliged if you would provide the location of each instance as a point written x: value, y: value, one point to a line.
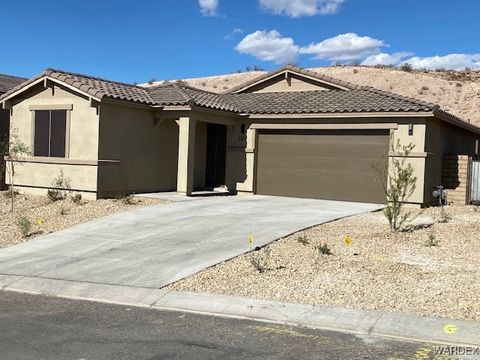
x: 340, y: 84
x: 93, y: 86
x: 8, y: 81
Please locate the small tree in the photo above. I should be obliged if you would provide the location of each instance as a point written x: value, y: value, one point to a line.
x: 14, y: 150
x: 399, y: 183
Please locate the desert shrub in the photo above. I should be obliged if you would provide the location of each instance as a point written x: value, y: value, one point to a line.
x: 260, y: 261
x: 24, y: 225
x: 63, y: 211
x: 14, y: 149
x: 355, y: 71
x: 406, y: 67
x: 76, y: 198
x: 431, y: 241
x: 60, y: 188
x: 324, y: 249
x: 303, y: 240
x: 399, y: 183
x: 128, y: 199
x: 444, y: 216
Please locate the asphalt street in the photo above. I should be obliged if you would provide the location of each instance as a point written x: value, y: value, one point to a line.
x: 40, y: 327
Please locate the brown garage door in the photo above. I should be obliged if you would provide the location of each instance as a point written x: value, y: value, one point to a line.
x: 335, y: 165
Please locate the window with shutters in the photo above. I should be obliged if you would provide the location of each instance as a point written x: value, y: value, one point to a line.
x: 50, y: 133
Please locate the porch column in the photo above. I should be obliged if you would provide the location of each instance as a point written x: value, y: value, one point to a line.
x: 186, y: 155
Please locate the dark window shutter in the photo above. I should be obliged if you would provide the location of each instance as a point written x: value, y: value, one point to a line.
x: 42, y: 133
x: 58, y: 133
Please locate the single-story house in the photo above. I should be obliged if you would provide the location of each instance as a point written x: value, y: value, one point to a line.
x: 6, y: 83
x: 291, y: 132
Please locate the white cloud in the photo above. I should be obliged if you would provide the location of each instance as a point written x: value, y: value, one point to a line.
x: 386, y: 59
x: 269, y: 46
x: 233, y: 33
x: 345, y: 48
x: 299, y: 8
x: 208, y: 7
x: 450, y: 61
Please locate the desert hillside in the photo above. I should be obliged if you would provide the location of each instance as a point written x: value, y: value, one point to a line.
x: 456, y: 92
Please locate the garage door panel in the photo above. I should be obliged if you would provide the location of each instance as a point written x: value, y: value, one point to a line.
x: 328, y: 165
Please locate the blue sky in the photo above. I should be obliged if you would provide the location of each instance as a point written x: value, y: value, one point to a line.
x: 135, y: 41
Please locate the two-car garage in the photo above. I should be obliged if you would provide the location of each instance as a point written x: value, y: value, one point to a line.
x: 322, y: 164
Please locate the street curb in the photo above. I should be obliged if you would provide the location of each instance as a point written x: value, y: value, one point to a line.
x: 360, y: 322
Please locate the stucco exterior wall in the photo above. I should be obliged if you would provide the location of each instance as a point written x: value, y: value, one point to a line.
x: 143, y: 152
x: 444, y: 139
x: 292, y: 83
x: 36, y: 174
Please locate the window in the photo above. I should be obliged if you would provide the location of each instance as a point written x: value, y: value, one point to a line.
x: 50, y: 133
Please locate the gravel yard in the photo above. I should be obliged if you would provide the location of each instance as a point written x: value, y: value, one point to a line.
x: 45, y: 216
x: 378, y: 270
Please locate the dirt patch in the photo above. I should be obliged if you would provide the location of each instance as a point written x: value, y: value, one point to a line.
x: 378, y: 270
x: 45, y: 216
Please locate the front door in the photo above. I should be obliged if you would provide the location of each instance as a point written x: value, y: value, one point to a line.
x: 216, y: 155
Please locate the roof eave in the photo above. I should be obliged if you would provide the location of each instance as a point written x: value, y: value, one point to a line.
x: 454, y: 120
x: 39, y: 79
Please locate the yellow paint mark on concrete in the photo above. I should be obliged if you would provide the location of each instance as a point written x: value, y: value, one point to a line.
x: 251, y: 239
x: 450, y: 329
x: 348, y: 240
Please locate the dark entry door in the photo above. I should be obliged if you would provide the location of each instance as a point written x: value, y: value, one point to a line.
x: 216, y: 155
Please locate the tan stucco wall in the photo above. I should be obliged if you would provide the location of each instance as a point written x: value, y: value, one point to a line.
x: 146, y: 152
x: 293, y: 83
x: 83, y: 141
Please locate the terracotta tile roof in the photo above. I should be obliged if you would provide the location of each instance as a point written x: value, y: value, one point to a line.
x: 96, y: 87
x: 172, y: 94
x: 333, y: 101
x: 350, y: 98
x: 7, y: 82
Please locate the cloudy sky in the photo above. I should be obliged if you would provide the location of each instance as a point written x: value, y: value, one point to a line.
x: 136, y: 41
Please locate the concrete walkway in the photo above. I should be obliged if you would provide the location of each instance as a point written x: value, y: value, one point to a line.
x: 155, y: 246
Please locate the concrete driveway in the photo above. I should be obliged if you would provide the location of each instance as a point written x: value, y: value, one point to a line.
x: 155, y: 246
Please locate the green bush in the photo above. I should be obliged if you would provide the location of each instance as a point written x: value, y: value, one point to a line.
x: 432, y: 241
x: 60, y: 188
x: 406, y: 67
x: 303, y: 240
x: 76, y: 198
x: 24, y: 225
x: 324, y: 249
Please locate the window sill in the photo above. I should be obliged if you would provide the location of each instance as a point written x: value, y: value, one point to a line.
x: 65, y: 161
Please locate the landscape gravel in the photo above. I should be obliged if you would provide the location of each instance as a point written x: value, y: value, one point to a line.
x: 46, y: 216
x: 379, y: 270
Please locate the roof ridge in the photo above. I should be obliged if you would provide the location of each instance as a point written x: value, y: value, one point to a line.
x: 188, y: 98
x: 92, y: 77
